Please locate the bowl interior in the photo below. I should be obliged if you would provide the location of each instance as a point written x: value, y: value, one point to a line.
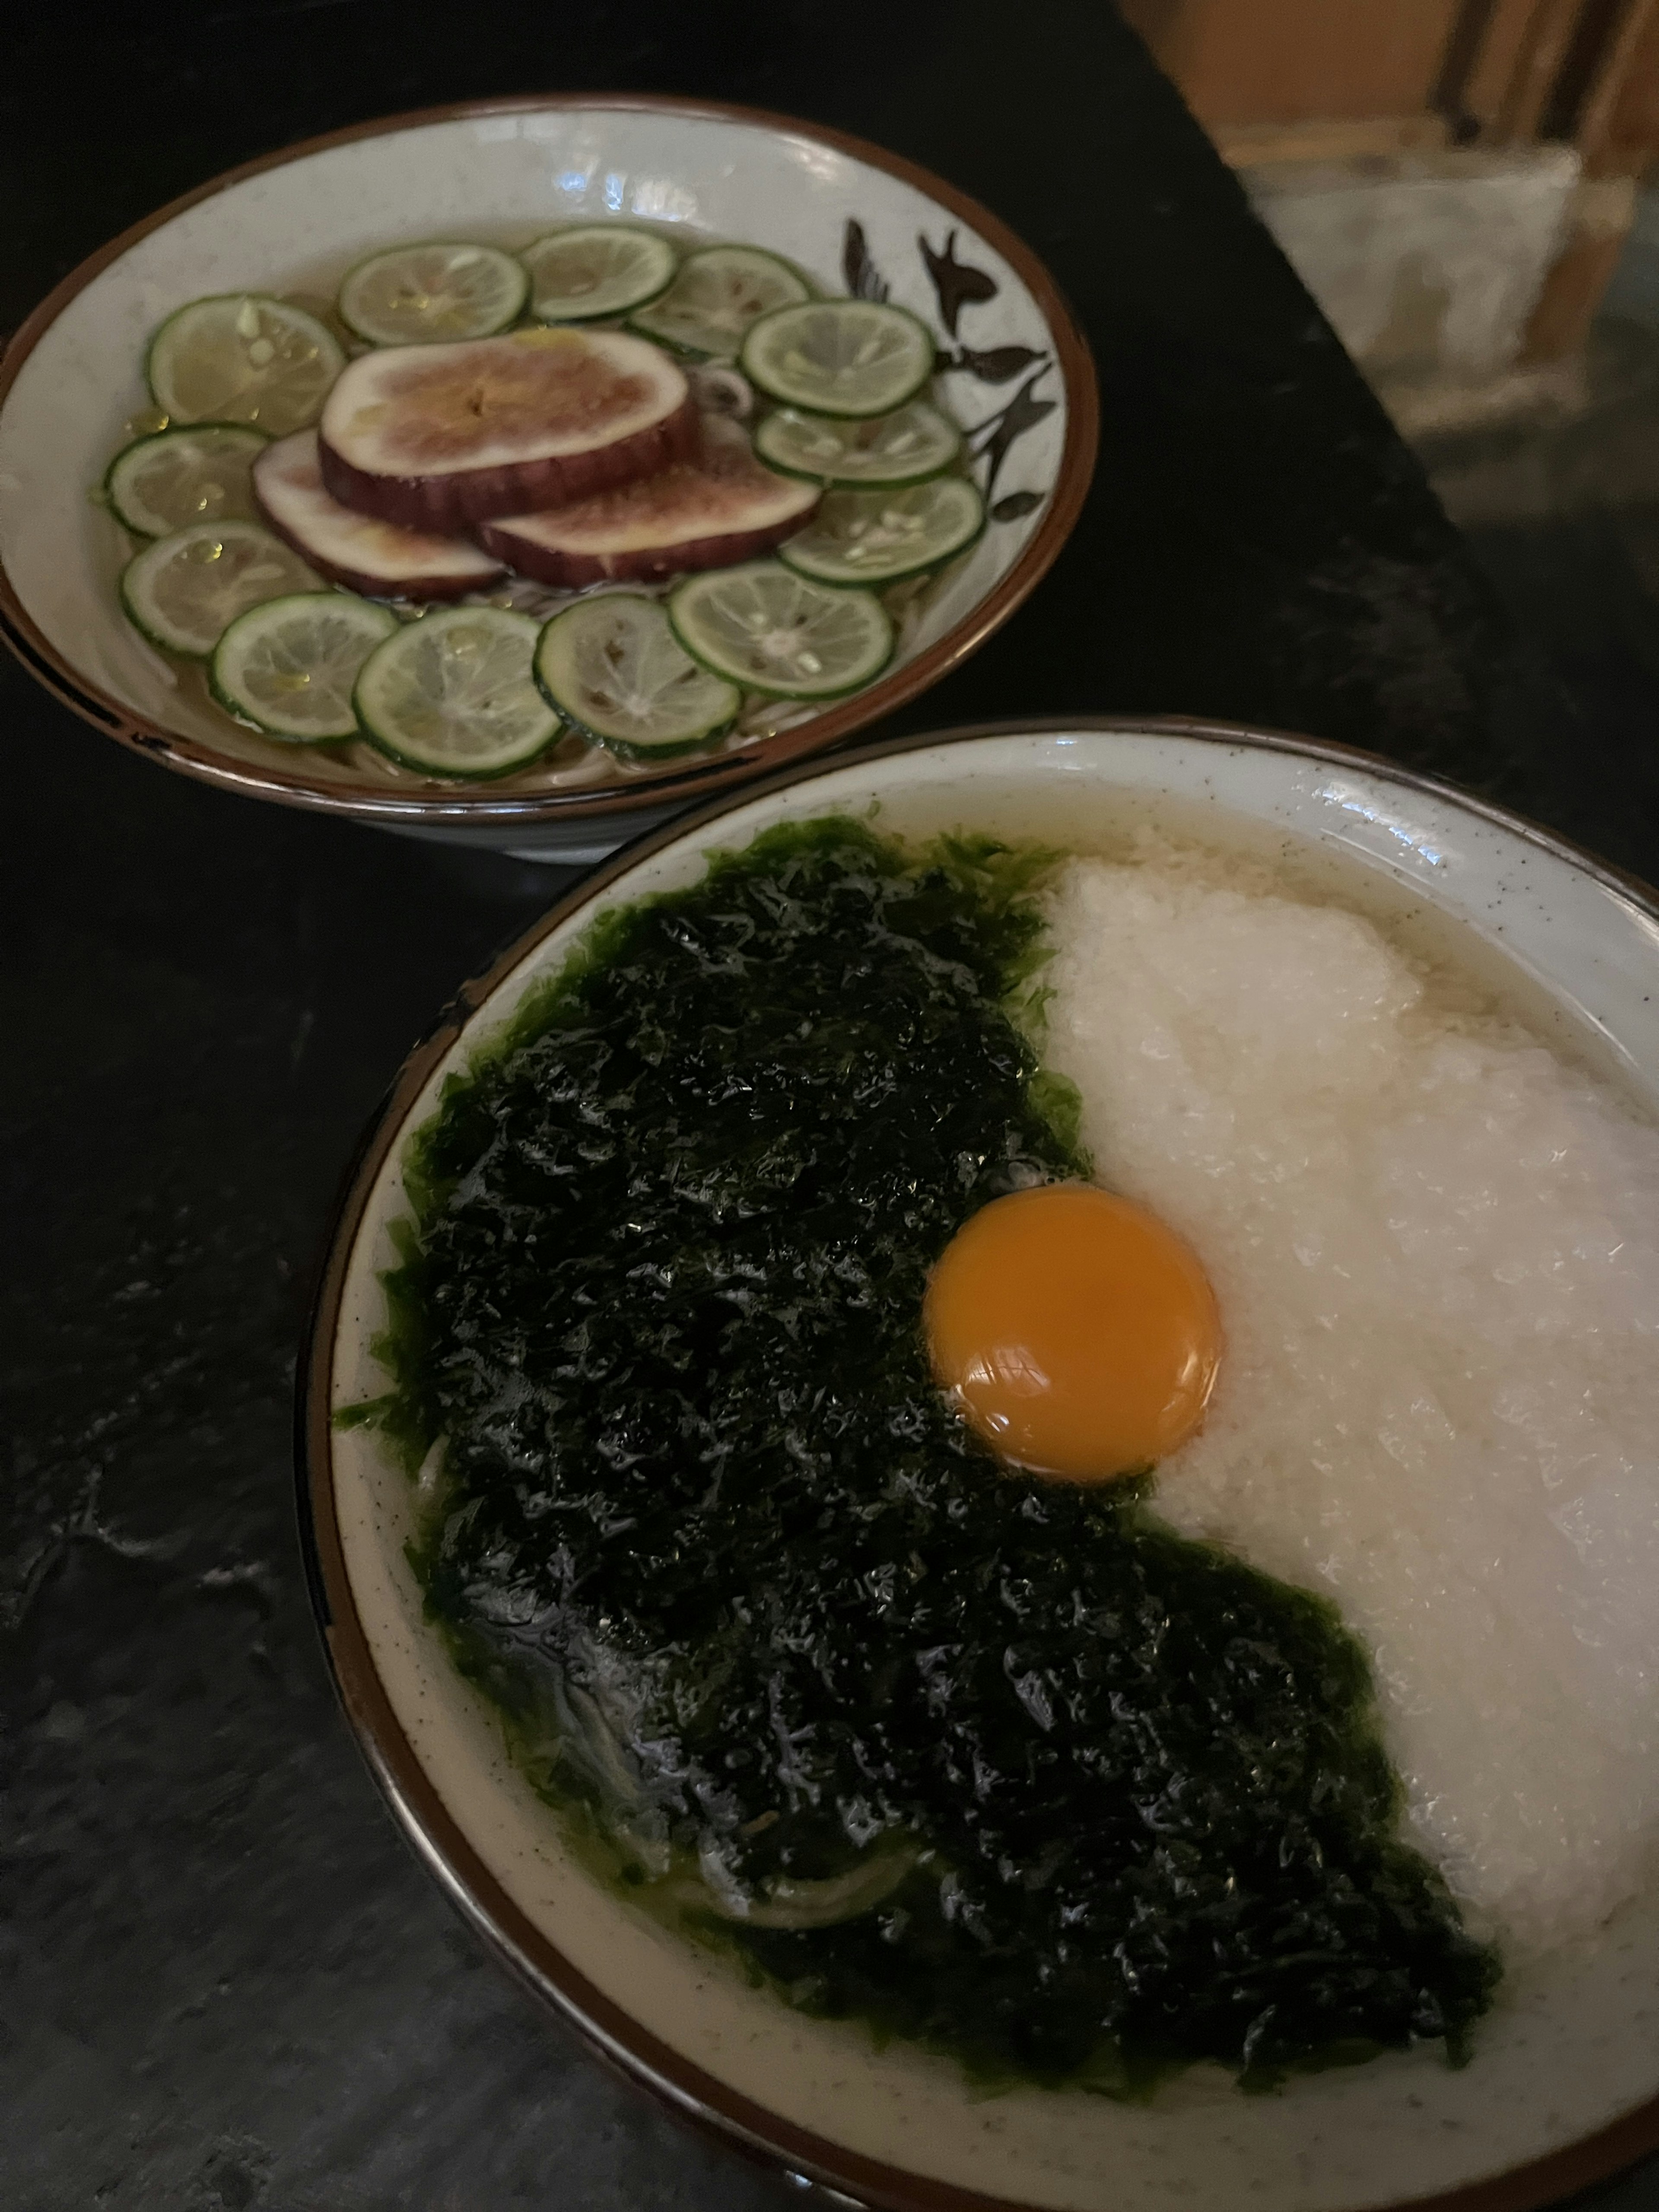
x: 1574, y: 2043
x: 296, y: 227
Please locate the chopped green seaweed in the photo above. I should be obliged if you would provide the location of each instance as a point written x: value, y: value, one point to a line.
x: 1002, y: 1767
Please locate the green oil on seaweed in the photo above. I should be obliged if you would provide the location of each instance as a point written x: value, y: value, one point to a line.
x: 1005, y: 1768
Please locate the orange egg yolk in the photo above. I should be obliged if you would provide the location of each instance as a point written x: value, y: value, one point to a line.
x: 1075, y: 1332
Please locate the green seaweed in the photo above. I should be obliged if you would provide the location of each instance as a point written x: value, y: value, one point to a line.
x: 755, y: 1608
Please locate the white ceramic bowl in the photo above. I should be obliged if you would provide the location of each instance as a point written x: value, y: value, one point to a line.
x: 72, y: 380
x: 1562, y: 2088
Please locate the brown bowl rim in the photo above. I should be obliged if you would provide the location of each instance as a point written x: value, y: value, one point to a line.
x: 372, y: 802
x: 610, y: 2032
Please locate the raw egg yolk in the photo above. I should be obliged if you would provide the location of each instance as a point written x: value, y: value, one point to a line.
x: 1073, y: 1331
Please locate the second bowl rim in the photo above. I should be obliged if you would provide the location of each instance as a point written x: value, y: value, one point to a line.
x: 609, y: 2031
x: 387, y: 807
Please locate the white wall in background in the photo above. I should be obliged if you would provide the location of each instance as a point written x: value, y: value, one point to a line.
x: 1424, y: 262
x: 1633, y: 295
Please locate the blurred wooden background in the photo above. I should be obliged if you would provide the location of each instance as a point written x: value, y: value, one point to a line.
x: 1559, y: 98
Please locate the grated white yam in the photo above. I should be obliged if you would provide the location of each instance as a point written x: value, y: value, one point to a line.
x: 1435, y: 1247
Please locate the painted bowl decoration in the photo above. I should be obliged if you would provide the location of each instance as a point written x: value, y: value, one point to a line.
x: 854, y: 1770
x: 783, y: 425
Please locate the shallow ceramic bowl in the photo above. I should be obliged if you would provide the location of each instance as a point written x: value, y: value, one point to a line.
x: 1561, y: 2090
x: 72, y: 382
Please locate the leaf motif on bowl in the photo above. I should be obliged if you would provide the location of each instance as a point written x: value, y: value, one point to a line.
x: 864, y: 280
x: 999, y: 365
x: 998, y: 431
x: 955, y: 282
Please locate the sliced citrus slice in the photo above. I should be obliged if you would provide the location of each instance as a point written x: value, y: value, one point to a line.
x: 184, y: 592
x: 718, y: 293
x: 243, y: 357
x: 850, y: 357
x: 596, y: 268
x: 289, y: 666
x: 414, y: 294
x: 614, y: 667
x: 875, y: 538
x: 453, y: 694
x: 765, y: 628
x: 165, y: 483
x: 902, y: 448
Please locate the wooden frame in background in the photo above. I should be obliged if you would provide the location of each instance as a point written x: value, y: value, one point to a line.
x: 1334, y: 80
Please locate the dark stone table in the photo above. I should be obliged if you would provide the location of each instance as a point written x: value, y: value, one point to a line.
x: 226, y: 1985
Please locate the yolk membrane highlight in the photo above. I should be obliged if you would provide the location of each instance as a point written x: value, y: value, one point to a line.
x: 1075, y: 1332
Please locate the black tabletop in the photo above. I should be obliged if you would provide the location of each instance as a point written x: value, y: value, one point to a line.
x: 226, y: 1983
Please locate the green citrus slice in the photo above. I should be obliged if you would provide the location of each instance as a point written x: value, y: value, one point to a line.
x: 243, y: 357
x: 718, y: 293
x: 768, y: 629
x: 848, y: 357
x: 184, y: 592
x: 289, y: 666
x: 165, y: 483
x: 614, y: 666
x: 875, y: 538
x: 421, y: 294
x: 902, y: 448
x: 596, y: 269
x: 453, y: 694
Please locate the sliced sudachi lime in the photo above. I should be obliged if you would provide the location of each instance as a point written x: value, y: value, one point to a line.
x: 166, y: 482
x: 243, y: 357
x: 423, y: 295
x: 847, y: 357
x: 906, y: 447
x: 289, y: 666
x: 765, y: 627
x: 596, y: 268
x: 613, y: 666
x: 717, y: 295
x: 184, y: 592
x: 875, y: 538
x: 453, y: 694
